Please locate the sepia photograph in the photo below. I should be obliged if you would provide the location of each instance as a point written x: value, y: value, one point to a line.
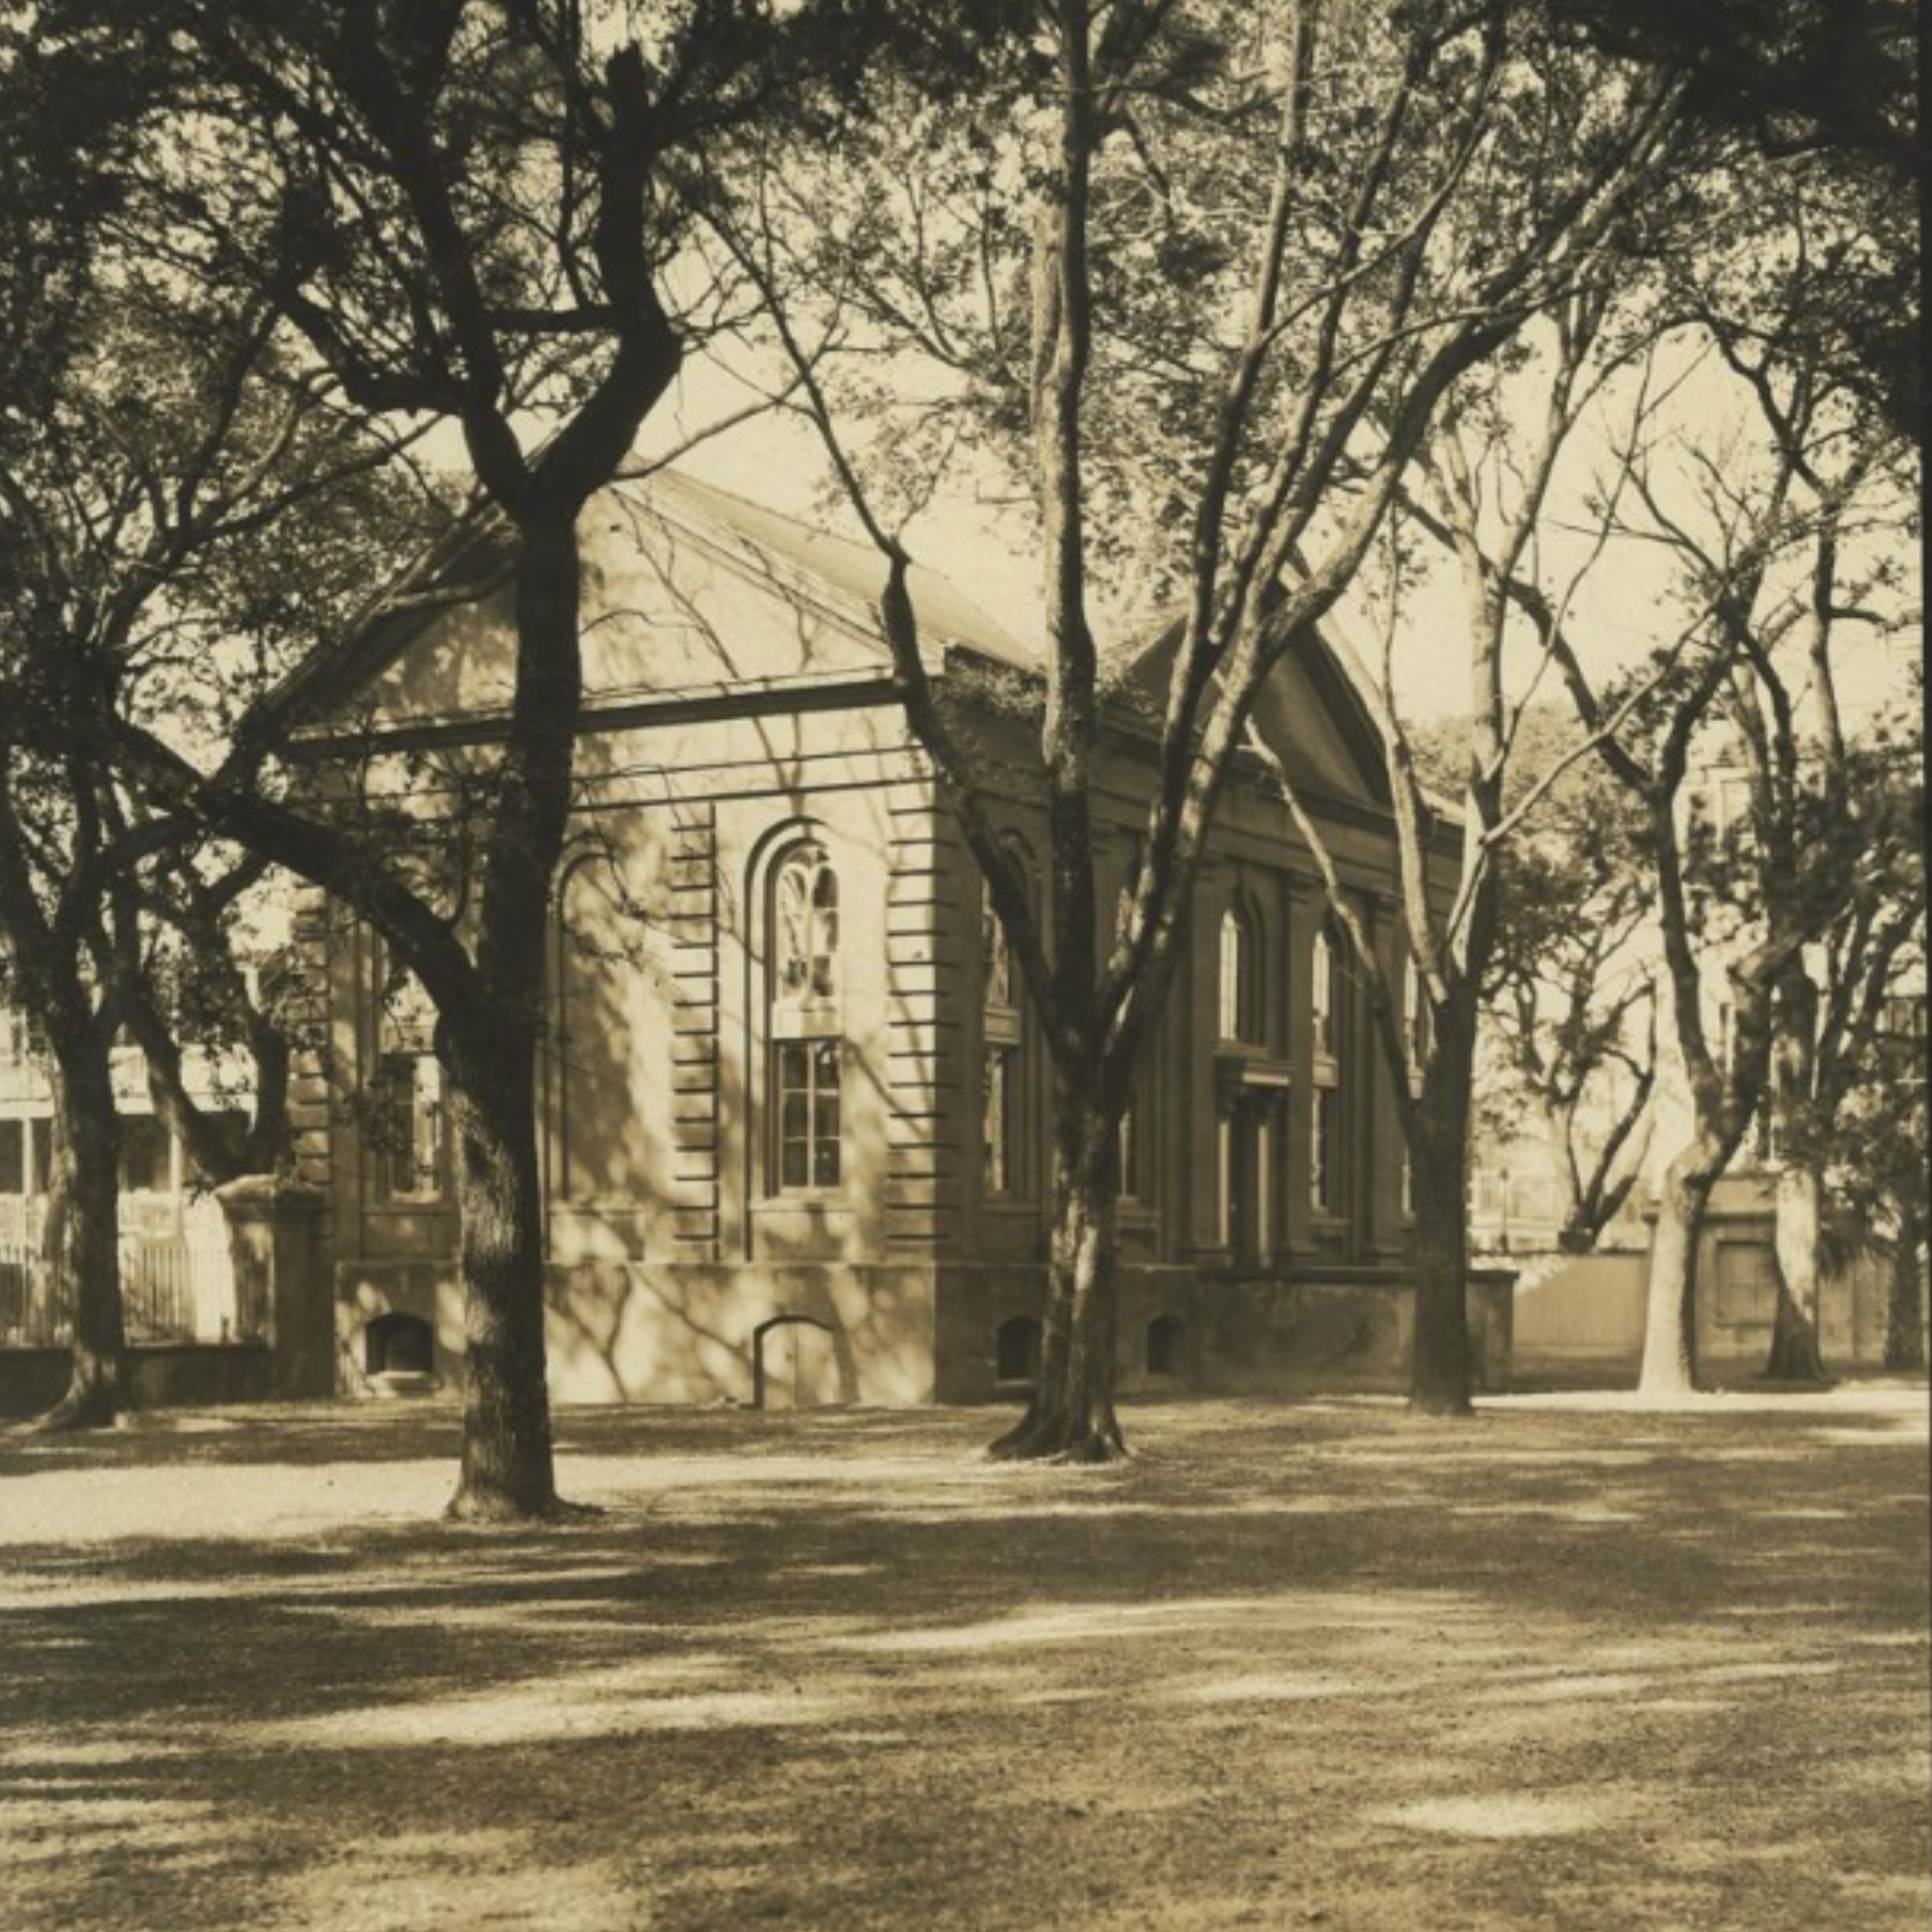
x: 963, y: 966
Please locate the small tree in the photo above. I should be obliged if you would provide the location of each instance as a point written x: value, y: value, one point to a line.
x: 1760, y: 560
x: 1835, y: 1074
x: 1571, y: 1006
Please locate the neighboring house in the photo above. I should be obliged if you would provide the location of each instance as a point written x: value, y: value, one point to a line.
x: 794, y: 1122
x: 176, y: 1278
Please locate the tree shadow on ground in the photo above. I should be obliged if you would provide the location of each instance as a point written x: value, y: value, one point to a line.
x: 1559, y: 1667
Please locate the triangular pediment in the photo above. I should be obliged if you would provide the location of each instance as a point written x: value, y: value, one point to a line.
x: 685, y: 588
x: 1310, y: 711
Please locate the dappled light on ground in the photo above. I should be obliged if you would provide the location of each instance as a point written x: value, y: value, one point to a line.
x: 1572, y: 1664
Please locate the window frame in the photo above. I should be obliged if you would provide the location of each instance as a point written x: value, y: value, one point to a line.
x: 804, y: 1012
x: 1328, y: 1129
x: 1007, y: 1169
x: 401, y: 1029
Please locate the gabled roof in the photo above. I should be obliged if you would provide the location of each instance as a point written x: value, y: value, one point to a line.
x: 847, y: 564
x: 1350, y: 750
x: 838, y: 576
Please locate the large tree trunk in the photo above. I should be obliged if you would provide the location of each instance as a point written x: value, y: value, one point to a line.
x: 1795, y: 1354
x: 1439, y: 1381
x: 1905, y: 1299
x: 1670, y: 1305
x: 1439, y: 1368
x: 507, y: 1471
x: 83, y: 1232
x: 489, y: 1043
x: 1071, y: 1417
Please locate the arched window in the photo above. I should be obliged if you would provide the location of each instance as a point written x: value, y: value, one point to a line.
x: 1415, y: 1020
x: 1326, y: 1136
x: 1239, y: 1007
x: 404, y: 1119
x: 998, y: 956
x: 806, y: 927
x: 806, y: 1034
x: 1321, y: 992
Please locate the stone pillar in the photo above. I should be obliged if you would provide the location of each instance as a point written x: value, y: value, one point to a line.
x: 281, y: 1275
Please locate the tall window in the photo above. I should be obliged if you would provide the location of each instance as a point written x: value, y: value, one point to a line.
x: 809, y: 1083
x: 808, y: 1044
x: 408, y: 1126
x: 1415, y: 1027
x: 1321, y: 992
x: 1324, y: 1150
x: 1001, y: 1040
x: 1415, y: 1033
x: 1325, y: 1140
x: 406, y: 1112
x: 1239, y: 1007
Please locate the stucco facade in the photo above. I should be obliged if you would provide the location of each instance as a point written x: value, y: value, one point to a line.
x: 794, y: 1105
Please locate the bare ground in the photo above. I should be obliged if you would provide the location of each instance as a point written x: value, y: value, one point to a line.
x: 1574, y: 1664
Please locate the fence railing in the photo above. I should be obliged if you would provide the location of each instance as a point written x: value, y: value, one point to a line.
x: 179, y: 1287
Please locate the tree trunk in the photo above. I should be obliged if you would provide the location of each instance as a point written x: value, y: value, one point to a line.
x: 1670, y: 1307
x: 507, y: 1471
x: 83, y: 1231
x: 1905, y: 1299
x: 1071, y: 1418
x: 488, y: 1039
x: 1795, y: 1354
x: 1439, y: 1381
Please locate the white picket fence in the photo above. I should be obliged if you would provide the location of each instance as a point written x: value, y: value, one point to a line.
x: 174, y: 1287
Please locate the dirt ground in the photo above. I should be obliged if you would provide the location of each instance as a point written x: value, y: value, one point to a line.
x: 1572, y: 1665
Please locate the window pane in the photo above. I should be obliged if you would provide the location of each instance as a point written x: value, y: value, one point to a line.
x: 995, y: 1122
x: 1224, y: 1185
x: 12, y: 1157
x: 825, y: 956
x: 145, y: 1167
x: 41, y: 1137
x: 1264, y: 1192
x: 790, y: 921
x: 793, y: 1164
x: 805, y: 916
x: 998, y: 961
x: 1229, y: 1023
x: 1322, y: 993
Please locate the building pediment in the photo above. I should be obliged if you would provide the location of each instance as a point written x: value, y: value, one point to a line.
x: 686, y: 589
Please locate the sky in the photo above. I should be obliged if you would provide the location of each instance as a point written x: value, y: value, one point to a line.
x: 1624, y: 608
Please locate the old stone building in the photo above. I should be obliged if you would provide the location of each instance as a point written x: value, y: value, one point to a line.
x: 794, y: 1111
